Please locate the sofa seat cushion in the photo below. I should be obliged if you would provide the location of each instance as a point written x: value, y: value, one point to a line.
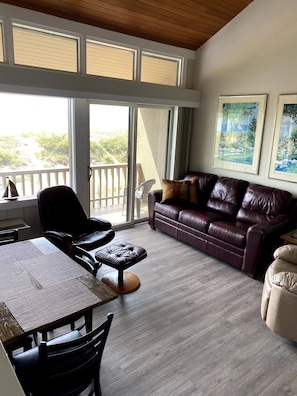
x: 199, y: 219
x: 233, y: 232
x: 170, y: 210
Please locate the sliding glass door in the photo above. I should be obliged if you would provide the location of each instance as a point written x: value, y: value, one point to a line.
x: 128, y: 152
x: 109, y: 132
x: 153, y: 126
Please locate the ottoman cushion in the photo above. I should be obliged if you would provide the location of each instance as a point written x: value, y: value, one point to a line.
x: 121, y: 255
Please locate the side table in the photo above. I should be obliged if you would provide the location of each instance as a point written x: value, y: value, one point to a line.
x: 288, y: 238
x: 10, y: 230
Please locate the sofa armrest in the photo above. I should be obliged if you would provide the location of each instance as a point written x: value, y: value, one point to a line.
x: 286, y: 280
x: 257, y: 232
x: 153, y: 197
x: 257, y: 235
x: 272, y: 225
x: 287, y: 252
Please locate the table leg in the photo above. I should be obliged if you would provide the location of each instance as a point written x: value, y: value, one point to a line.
x: 89, y: 321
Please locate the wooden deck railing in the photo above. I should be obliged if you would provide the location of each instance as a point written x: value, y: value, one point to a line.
x: 106, y: 184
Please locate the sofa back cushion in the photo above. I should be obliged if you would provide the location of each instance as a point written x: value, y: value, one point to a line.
x: 226, y: 195
x: 204, y: 184
x: 261, y: 203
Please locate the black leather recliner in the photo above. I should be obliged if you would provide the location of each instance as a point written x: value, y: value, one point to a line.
x: 67, y: 226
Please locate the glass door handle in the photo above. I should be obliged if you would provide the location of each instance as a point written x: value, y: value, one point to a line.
x: 90, y: 173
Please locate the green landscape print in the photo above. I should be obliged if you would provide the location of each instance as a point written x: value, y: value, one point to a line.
x: 238, y: 132
x: 286, y: 159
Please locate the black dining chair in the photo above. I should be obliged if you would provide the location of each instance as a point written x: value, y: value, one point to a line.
x: 67, y: 226
x: 24, y: 343
x: 66, y: 365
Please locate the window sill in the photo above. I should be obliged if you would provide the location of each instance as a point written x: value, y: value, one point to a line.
x: 21, y: 202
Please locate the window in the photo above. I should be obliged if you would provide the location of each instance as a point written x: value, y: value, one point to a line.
x: 159, y: 70
x: 41, y: 47
x: 46, y: 49
x: 110, y: 61
x: 1, y: 44
x: 34, y: 143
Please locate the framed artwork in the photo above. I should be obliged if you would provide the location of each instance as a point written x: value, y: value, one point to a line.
x: 239, y: 129
x: 283, y: 163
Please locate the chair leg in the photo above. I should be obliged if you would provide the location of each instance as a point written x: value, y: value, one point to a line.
x: 35, y: 337
x: 44, y: 336
x: 96, y: 384
x: 124, y: 201
x: 138, y: 206
x: 97, y: 265
x: 89, y: 321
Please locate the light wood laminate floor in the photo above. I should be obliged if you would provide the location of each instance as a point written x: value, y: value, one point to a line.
x: 192, y: 328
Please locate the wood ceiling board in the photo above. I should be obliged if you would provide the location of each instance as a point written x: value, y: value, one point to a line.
x: 182, y: 23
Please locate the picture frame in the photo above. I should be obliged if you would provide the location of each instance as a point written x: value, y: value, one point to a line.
x: 239, y: 130
x: 283, y: 161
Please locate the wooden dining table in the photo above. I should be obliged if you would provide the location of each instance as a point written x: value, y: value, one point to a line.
x: 41, y: 287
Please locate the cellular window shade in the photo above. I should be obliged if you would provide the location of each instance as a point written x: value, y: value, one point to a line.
x: 109, y: 61
x: 44, y: 49
x: 159, y: 70
x: 1, y: 45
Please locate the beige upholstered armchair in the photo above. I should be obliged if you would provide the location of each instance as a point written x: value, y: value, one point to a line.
x: 279, y: 298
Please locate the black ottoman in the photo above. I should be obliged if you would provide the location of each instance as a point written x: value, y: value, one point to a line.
x: 121, y: 256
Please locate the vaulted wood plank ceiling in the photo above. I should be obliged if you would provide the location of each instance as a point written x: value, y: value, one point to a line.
x: 182, y: 23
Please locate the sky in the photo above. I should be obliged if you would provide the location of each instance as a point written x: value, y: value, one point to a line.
x: 26, y: 113
x: 31, y: 113
x: 108, y: 118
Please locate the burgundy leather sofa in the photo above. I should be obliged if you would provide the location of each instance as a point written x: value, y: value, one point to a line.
x: 235, y: 221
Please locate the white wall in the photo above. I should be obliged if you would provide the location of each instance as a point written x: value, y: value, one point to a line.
x: 27, y: 210
x: 10, y: 385
x: 256, y: 53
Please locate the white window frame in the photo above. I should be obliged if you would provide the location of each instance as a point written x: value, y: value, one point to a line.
x: 114, y: 45
x: 51, y: 31
x: 179, y: 60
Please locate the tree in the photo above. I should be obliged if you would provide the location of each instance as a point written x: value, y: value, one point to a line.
x: 98, y: 154
x: 109, y: 150
x: 54, y: 149
x: 117, y: 146
x: 10, y: 154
